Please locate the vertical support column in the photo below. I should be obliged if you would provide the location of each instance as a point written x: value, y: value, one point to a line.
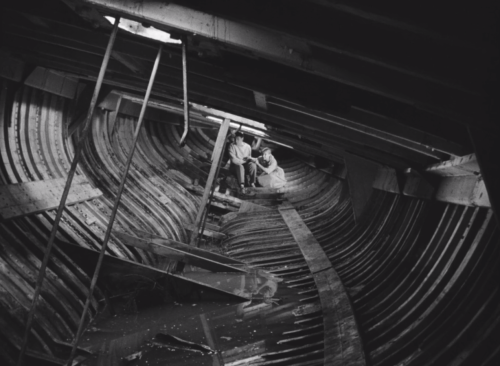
x: 216, y: 156
x: 62, y: 203
x: 115, y: 206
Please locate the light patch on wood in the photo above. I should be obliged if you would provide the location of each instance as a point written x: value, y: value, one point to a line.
x: 33, y: 197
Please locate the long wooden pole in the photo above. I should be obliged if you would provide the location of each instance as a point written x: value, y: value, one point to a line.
x: 62, y: 203
x: 115, y: 207
x: 219, y: 143
x: 185, y: 90
x: 201, y: 229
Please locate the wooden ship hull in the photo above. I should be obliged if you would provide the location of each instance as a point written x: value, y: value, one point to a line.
x: 369, y: 266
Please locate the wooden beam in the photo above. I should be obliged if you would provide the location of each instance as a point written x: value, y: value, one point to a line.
x: 130, y: 63
x: 181, y: 252
x: 119, y: 273
x: 335, y: 302
x: 468, y: 190
x: 216, y: 155
x: 52, y: 82
x: 487, y: 152
x: 387, y: 180
x: 207, y: 232
x: 252, y: 207
x: 448, y: 102
x: 417, y: 186
x: 360, y: 177
x: 374, y: 15
x: 260, y: 100
x: 89, y: 14
x: 369, y: 128
x: 28, y: 198
x: 459, y: 166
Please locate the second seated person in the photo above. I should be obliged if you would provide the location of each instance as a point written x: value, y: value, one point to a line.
x: 271, y: 176
x: 241, y: 161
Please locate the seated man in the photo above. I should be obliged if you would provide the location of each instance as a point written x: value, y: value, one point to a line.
x: 271, y: 176
x: 241, y: 160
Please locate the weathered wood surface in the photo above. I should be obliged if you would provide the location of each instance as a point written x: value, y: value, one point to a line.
x: 386, y: 180
x: 417, y: 186
x: 164, y: 245
x: 216, y: 157
x: 468, y: 190
x: 116, y: 272
x: 52, y: 82
x: 462, y: 165
x: 33, y: 197
x: 206, y: 232
x: 252, y: 207
x: 360, y: 177
x: 339, y: 323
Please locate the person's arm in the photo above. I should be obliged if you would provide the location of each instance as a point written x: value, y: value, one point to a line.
x: 272, y: 166
x: 232, y: 153
x: 256, y: 143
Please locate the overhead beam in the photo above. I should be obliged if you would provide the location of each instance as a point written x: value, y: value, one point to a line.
x: 374, y: 130
x: 273, y: 46
x: 371, y: 14
x: 468, y: 190
x: 459, y: 166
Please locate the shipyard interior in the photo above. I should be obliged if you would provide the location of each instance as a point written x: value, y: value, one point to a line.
x: 126, y: 237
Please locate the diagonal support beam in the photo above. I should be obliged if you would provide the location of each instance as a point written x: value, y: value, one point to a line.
x: 216, y: 156
x: 180, y: 252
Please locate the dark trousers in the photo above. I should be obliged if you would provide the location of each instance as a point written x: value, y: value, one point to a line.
x: 249, y: 168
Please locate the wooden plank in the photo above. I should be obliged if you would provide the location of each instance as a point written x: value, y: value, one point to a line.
x: 360, y: 177
x: 52, y: 82
x: 33, y: 197
x: 207, y: 232
x: 182, y: 252
x: 118, y: 273
x: 386, y: 180
x: 252, y: 207
x: 417, y: 186
x: 309, y: 246
x: 219, y: 143
x: 459, y: 166
x: 468, y: 190
x: 342, y: 342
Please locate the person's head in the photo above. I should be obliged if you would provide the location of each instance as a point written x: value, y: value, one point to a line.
x: 239, y: 136
x: 266, y: 153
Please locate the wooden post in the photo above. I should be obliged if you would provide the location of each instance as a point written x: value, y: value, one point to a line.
x: 62, y: 203
x: 221, y: 138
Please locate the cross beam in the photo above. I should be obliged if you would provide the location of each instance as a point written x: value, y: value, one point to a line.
x: 295, y: 52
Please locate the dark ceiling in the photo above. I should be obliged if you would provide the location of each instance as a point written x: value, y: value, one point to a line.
x: 397, y: 83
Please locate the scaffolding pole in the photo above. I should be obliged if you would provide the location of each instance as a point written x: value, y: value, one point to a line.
x: 185, y: 92
x: 115, y: 207
x: 62, y: 203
